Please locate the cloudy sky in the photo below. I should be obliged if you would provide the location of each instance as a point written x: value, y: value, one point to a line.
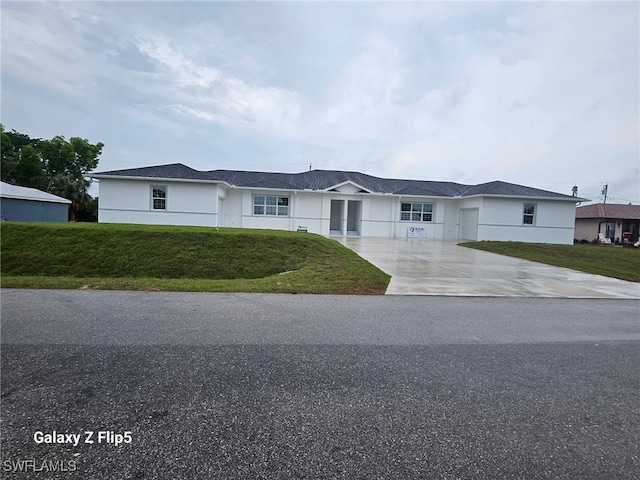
x: 540, y: 94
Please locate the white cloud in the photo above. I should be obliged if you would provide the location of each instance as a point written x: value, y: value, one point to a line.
x: 210, y: 95
x: 538, y: 93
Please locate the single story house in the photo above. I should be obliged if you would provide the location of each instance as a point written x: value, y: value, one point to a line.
x: 335, y: 203
x: 23, y: 204
x: 619, y: 223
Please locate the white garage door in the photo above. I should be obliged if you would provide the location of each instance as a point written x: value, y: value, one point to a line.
x: 469, y: 224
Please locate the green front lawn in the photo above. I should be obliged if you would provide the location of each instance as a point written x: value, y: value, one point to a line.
x: 622, y: 263
x: 149, y: 257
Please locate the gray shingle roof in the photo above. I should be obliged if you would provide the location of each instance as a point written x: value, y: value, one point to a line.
x: 173, y: 170
x: 325, y: 179
x: 511, y: 190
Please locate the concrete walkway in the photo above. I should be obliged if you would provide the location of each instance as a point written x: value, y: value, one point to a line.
x: 441, y: 267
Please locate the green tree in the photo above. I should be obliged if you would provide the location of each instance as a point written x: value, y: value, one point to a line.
x: 8, y: 154
x: 57, y: 166
x: 88, y: 213
x: 75, y: 157
x: 29, y: 172
x: 21, y: 162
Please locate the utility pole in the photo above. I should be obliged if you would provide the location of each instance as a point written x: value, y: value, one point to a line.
x: 604, y: 191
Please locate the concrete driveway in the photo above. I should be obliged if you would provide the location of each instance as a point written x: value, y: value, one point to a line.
x: 441, y: 267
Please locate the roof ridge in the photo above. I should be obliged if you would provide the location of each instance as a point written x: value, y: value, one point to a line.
x: 323, y: 179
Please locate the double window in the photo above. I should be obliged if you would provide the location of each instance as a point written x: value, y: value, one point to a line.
x: 529, y: 215
x: 158, y: 197
x: 270, y: 205
x: 416, y: 212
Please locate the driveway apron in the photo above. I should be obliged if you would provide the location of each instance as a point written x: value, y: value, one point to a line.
x: 441, y: 267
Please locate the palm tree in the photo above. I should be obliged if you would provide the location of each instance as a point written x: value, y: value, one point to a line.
x: 72, y: 188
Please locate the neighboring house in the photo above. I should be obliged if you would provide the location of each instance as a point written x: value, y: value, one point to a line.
x: 335, y: 203
x: 619, y: 223
x: 22, y: 204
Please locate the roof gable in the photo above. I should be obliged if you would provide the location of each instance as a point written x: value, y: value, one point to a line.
x: 349, y: 187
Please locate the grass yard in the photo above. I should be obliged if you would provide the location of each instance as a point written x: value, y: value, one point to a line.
x: 150, y: 257
x: 622, y: 263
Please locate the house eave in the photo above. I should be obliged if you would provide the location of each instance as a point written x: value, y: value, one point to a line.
x: 155, y: 179
x: 605, y: 219
x: 407, y: 196
x: 525, y: 197
x: 63, y: 201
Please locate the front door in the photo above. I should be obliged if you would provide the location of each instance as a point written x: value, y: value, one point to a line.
x: 335, y: 222
x: 610, y: 231
x: 353, y: 217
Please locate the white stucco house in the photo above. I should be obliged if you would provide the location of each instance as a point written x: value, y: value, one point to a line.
x: 335, y: 203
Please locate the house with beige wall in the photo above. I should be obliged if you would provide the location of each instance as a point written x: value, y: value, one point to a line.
x: 618, y: 223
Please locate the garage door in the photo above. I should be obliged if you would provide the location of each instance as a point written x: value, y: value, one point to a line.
x: 469, y: 224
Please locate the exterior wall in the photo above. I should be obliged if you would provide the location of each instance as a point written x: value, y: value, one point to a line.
x: 586, y: 228
x: 233, y: 209
x: 450, y: 221
x: 381, y: 216
x: 312, y: 210
x: 33, y: 211
x: 309, y: 212
x: 305, y: 209
x: 210, y: 204
x: 129, y: 201
x: 467, y: 204
x: 249, y: 220
x: 502, y: 219
x: 356, y: 220
x: 433, y: 229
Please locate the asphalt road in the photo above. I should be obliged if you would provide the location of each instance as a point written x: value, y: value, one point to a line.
x: 236, y: 386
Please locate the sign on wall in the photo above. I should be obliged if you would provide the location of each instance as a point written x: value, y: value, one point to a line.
x: 416, y: 232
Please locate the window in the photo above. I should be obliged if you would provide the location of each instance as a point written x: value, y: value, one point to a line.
x: 158, y: 197
x: 268, y: 205
x: 416, y: 212
x: 529, y: 215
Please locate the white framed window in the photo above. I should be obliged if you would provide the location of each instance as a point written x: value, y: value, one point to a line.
x: 271, y: 205
x: 158, y: 197
x: 416, y: 212
x: 529, y: 214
